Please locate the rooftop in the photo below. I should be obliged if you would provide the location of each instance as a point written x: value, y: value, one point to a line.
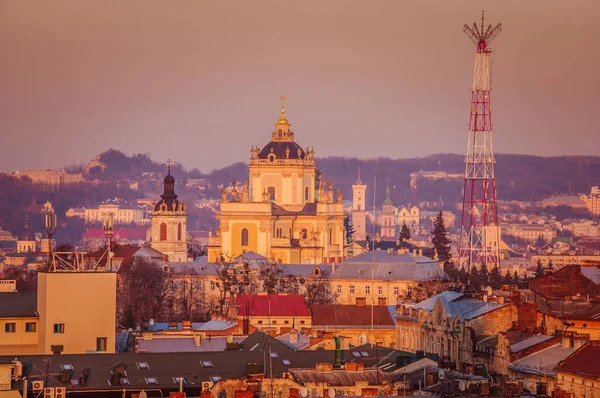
x: 543, y: 362
x: 585, y: 361
x: 18, y: 304
x: 349, y: 316
x: 273, y: 305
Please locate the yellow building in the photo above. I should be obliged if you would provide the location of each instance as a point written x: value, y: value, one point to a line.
x: 282, y: 213
x: 72, y: 313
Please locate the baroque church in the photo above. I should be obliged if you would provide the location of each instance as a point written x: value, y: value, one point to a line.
x: 169, y: 223
x: 285, y: 211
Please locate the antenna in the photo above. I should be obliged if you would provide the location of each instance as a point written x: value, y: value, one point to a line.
x: 482, y: 36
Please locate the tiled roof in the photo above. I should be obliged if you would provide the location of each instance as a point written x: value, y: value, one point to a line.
x: 332, y: 315
x: 18, y: 304
x: 585, y: 361
x: 273, y: 305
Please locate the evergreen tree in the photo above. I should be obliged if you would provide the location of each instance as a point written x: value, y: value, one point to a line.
x: 516, y: 279
x: 550, y: 266
x: 507, y: 279
x: 349, y: 229
x: 440, y: 240
x: 496, y: 277
x: 539, y: 269
x: 484, y: 277
x: 405, y: 233
x: 540, y: 241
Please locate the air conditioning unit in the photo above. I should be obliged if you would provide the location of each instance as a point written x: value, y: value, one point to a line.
x: 49, y: 392
x: 60, y: 392
x: 37, y: 385
x: 207, y: 385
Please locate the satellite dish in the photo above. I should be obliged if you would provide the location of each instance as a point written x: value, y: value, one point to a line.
x: 441, y: 374
x: 331, y: 392
x: 303, y: 392
x: 461, y: 385
x: 143, y: 394
x: 151, y: 322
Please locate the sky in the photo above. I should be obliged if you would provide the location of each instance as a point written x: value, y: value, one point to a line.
x: 199, y: 81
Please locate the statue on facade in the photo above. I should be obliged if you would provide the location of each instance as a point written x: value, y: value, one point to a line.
x: 245, y: 194
x: 224, y: 194
x: 340, y: 195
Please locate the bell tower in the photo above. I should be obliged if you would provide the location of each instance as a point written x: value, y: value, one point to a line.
x: 169, y: 219
x: 359, y: 215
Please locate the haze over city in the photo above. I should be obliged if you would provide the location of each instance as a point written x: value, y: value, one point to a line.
x: 188, y: 79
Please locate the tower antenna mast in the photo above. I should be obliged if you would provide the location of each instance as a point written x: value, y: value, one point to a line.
x: 480, y: 236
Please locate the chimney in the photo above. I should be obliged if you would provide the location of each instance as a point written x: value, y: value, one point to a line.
x: 324, y: 367
x: 197, y: 340
x: 566, y: 343
x: 294, y: 335
x: 230, y: 338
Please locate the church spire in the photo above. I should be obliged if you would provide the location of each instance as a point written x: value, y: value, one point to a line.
x: 282, y: 118
x: 358, y: 180
x: 388, y: 199
x: 169, y: 184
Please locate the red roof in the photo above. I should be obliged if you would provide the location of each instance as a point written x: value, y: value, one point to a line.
x: 350, y: 315
x: 124, y: 233
x: 585, y: 361
x: 273, y: 305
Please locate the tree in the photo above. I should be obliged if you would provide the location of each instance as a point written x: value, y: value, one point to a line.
x: 349, y: 228
x: 270, y: 275
x: 483, y: 274
x: 539, y: 269
x: 405, y: 233
x: 144, y: 289
x: 516, y: 279
x: 318, y: 291
x: 232, y: 279
x: 507, y: 279
x: 540, y: 241
x: 496, y: 277
x: 439, y: 238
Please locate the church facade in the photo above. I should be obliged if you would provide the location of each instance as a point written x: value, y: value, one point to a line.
x: 285, y: 211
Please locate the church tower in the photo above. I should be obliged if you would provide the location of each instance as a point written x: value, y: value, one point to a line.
x: 388, y: 219
x: 169, y: 223
x: 359, y: 215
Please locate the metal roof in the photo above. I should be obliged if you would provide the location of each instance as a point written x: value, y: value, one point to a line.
x: 529, y: 342
x: 18, y: 305
x: 454, y: 305
x: 543, y: 362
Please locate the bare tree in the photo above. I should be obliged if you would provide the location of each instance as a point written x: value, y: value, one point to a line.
x: 317, y: 290
x: 144, y: 288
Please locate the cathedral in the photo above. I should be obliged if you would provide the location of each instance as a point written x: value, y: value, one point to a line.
x: 284, y: 211
x: 169, y: 223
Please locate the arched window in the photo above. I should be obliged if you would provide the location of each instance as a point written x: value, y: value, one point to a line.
x: 304, y: 233
x: 271, y: 191
x: 244, y: 237
x: 179, y: 231
x: 163, y: 231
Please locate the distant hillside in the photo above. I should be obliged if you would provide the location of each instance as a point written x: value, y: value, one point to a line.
x: 518, y: 177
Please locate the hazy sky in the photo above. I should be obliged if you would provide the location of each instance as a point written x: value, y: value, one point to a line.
x: 199, y: 81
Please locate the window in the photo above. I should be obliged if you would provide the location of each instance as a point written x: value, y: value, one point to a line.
x: 279, y: 233
x: 30, y: 327
x: 339, y: 289
x: 304, y: 234
x: 306, y: 193
x: 286, y: 362
x: 163, y: 231
x: 409, y: 291
x: 274, y: 322
x: 59, y: 328
x: 302, y: 322
x: 274, y: 355
x: 380, y: 290
x: 212, y: 286
x: 259, y: 322
x: 396, y: 290
x: 10, y: 327
x: 271, y: 192
x: 367, y: 289
x: 244, y: 237
x: 101, y: 343
x: 206, y: 364
x: 142, y: 365
x: 351, y: 289
x: 66, y: 366
x: 171, y: 285
x: 179, y: 231
x: 176, y: 380
x: 286, y: 322
x: 151, y: 380
x: 215, y: 378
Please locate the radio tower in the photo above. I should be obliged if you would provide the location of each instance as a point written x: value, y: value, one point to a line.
x: 479, y: 236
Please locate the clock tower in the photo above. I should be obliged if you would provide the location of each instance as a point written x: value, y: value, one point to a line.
x: 359, y: 215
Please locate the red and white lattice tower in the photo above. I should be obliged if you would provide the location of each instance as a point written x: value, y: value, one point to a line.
x: 479, y: 237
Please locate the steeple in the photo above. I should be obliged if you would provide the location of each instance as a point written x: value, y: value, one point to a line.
x: 358, y: 180
x: 282, y: 118
x: 388, y: 199
x: 169, y: 184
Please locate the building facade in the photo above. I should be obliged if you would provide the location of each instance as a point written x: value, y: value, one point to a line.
x: 359, y: 209
x: 283, y: 213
